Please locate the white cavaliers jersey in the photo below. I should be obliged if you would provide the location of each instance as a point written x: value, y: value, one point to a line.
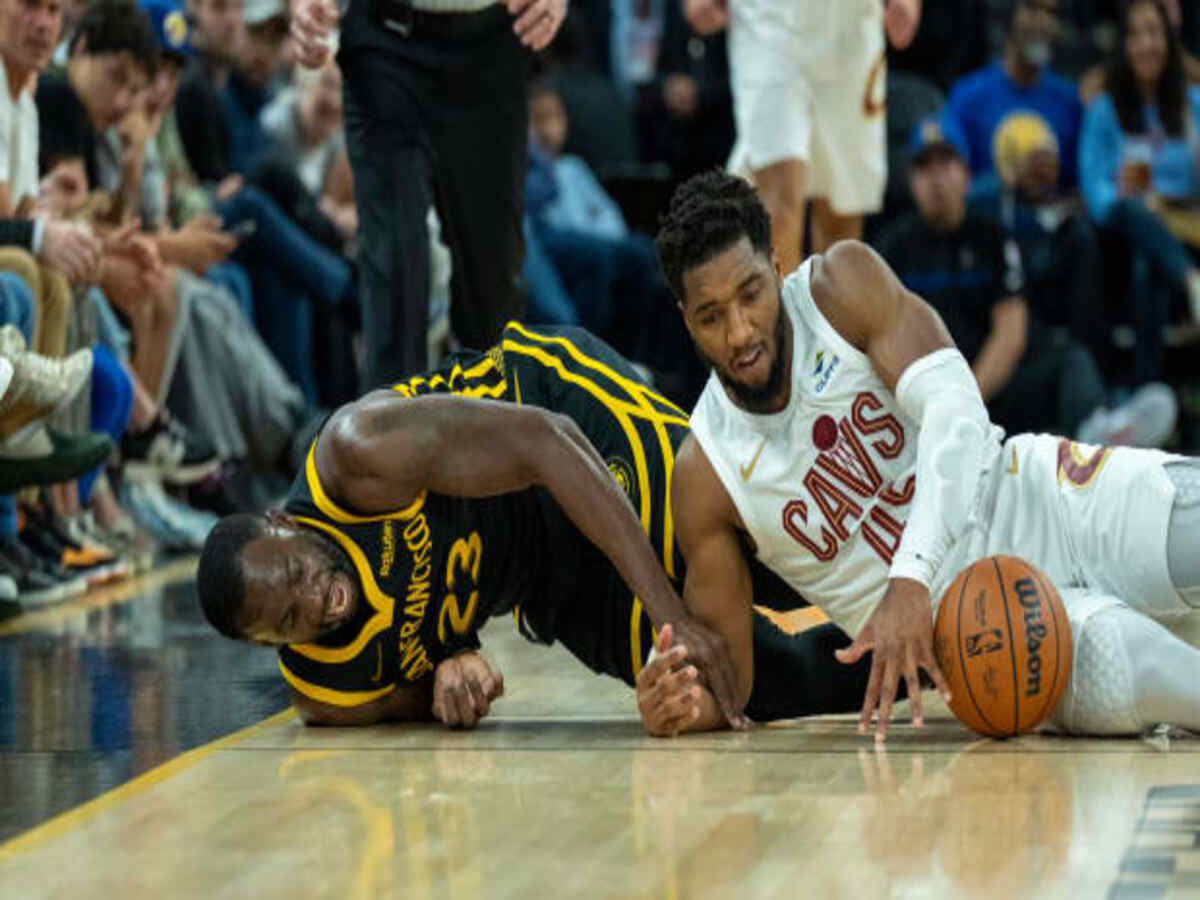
x: 824, y: 485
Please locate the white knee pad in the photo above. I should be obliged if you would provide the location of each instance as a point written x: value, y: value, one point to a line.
x: 1183, y: 530
x: 1101, y: 698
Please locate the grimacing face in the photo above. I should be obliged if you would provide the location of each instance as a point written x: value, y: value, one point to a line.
x: 734, y: 312
x: 298, y: 586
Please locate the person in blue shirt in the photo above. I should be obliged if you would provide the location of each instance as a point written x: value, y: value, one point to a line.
x: 1019, y: 82
x: 1140, y: 140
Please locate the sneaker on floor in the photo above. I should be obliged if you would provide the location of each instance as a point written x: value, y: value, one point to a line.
x: 170, y: 452
x: 40, y: 384
x: 37, y: 581
x: 8, y: 580
x: 171, y: 523
x: 41, y: 456
x: 225, y: 492
x: 1147, y: 419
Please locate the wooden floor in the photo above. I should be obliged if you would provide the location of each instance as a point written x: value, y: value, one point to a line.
x: 560, y: 795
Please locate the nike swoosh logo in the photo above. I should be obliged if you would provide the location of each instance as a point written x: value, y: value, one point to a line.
x: 378, y: 663
x: 748, y: 470
x: 1012, y: 468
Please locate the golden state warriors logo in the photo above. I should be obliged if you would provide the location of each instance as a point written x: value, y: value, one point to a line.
x: 496, y: 355
x: 175, y: 29
x: 622, y: 474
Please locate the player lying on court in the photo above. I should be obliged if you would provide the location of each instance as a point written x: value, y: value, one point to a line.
x: 843, y: 437
x: 532, y: 479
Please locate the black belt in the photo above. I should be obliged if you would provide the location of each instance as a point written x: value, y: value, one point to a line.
x: 403, y: 20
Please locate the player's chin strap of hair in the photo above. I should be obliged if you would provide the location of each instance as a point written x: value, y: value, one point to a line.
x: 940, y: 394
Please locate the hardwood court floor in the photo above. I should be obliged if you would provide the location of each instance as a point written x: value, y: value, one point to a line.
x: 557, y: 795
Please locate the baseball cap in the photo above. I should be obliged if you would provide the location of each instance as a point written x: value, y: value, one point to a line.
x: 256, y: 12
x: 170, y: 26
x: 936, y: 131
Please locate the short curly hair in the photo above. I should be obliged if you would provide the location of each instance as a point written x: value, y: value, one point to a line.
x: 220, y: 585
x: 708, y: 214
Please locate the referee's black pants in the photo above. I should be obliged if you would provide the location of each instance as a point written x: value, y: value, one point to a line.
x: 438, y: 116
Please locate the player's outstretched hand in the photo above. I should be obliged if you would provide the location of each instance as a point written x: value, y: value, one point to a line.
x: 464, y: 687
x: 668, y: 690
x: 709, y: 652
x: 900, y: 635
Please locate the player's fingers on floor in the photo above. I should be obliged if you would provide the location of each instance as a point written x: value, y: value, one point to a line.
x: 479, y: 700
x: 913, y: 683
x: 680, y: 680
x: 887, y: 696
x: 930, y: 665
x: 871, y: 697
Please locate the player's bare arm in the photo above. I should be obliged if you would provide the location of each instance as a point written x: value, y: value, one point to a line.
x: 912, y: 352
x: 718, y: 589
x: 380, y: 453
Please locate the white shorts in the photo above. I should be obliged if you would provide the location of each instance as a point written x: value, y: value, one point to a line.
x: 809, y: 82
x: 1088, y: 517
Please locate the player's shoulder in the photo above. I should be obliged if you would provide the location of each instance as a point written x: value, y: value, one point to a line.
x: 699, y: 499
x: 1061, y: 89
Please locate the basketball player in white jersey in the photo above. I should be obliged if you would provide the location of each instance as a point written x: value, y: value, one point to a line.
x: 809, y: 83
x: 843, y: 438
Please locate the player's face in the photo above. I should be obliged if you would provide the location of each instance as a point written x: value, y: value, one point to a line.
x: 734, y: 314
x: 298, y: 587
x: 939, y: 186
x: 1146, y: 43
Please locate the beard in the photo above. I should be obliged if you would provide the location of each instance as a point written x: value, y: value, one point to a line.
x: 331, y: 558
x: 759, y: 399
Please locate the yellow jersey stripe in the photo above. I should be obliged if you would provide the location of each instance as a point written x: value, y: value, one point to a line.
x: 383, y: 605
x: 638, y: 392
x: 329, y: 695
x: 614, y: 405
x: 635, y: 636
x: 642, y: 395
x: 330, y: 508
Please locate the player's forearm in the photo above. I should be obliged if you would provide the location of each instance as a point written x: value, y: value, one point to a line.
x: 940, y: 393
x: 580, y: 482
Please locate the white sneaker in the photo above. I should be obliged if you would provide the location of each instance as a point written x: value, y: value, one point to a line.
x: 1147, y: 419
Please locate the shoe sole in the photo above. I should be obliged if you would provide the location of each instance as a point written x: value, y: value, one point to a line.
x: 177, y: 476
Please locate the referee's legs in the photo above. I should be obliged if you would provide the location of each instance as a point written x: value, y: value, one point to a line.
x: 481, y: 147
x: 393, y: 175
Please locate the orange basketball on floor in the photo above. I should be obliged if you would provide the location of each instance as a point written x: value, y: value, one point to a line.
x: 1004, y: 644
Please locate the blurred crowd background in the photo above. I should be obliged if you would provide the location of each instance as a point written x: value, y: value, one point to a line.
x: 181, y: 283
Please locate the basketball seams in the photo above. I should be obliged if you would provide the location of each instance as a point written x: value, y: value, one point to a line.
x: 1012, y: 647
x: 962, y: 663
x: 1055, y: 691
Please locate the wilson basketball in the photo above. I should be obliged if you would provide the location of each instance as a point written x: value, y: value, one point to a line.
x: 1004, y: 644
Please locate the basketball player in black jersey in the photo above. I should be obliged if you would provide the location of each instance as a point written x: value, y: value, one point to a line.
x: 533, y: 480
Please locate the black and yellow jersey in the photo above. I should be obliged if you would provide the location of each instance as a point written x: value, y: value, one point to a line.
x: 432, y: 573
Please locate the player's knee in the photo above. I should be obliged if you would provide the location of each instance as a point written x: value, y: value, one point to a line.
x: 1101, y: 698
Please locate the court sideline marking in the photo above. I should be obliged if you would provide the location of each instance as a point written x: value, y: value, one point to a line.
x: 80, y: 815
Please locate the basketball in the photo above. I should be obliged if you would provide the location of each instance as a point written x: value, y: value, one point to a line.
x: 1004, y: 644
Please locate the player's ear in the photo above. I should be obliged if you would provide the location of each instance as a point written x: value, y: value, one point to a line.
x: 279, y: 519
